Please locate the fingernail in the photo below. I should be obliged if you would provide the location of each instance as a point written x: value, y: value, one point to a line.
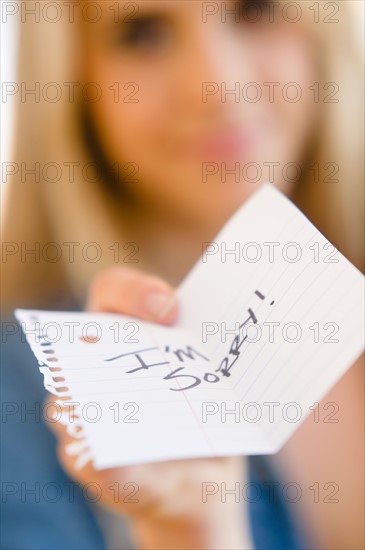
x: 159, y: 304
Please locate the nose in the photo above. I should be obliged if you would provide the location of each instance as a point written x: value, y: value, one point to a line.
x: 213, y: 59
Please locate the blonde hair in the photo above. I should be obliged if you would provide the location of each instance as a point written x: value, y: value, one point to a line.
x: 49, y: 133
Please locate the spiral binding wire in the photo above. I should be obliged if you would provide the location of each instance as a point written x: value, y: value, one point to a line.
x: 55, y: 383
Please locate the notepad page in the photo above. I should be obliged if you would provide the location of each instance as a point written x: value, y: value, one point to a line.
x: 111, y: 373
x: 292, y: 301
x: 255, y: 346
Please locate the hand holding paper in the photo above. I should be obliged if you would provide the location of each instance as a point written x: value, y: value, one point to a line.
x: 271, y: 317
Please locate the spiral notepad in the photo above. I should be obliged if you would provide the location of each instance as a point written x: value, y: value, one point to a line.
x: 271, y: 317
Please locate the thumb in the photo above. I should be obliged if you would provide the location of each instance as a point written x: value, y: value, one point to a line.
x: 129, y: 291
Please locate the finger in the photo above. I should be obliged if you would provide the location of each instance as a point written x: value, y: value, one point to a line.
x: 131, y: 292
x: 61, y: 417
x: 67, y: 441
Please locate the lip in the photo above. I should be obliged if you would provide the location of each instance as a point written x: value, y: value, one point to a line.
x: 223, y: 145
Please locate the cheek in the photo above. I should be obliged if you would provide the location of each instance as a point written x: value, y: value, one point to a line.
x: 132, y: 117
x: 292, y: 64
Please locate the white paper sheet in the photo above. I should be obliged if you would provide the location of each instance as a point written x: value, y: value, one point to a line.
x: 271, y: 317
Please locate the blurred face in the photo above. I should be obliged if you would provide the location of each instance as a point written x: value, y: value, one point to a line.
x: 205, y: 103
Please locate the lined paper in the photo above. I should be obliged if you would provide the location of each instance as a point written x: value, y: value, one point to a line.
x: 271, y: 318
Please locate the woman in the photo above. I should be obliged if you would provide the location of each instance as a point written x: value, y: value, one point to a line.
x: 123, y: 154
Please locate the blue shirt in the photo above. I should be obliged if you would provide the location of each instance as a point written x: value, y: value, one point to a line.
x: 42, y: 508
